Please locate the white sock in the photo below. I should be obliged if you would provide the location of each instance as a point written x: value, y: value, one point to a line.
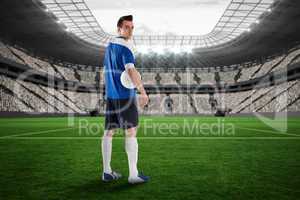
x: 106, y: 153
x: 131, y: 147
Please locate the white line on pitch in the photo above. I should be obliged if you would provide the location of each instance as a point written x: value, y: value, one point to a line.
x: 269, y: 131
x: 155, y: 138
x: 35, y: 133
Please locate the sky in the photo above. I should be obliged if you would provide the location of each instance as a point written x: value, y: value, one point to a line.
x: 163, y: 17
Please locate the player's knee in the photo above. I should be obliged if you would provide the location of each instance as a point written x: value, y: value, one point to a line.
x: 131, y: 132
x: 108, y: 133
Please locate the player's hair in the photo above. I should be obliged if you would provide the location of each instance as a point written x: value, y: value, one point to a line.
x: 124, y: 18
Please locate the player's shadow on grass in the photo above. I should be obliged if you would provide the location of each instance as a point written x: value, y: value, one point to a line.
x: 97, y: 186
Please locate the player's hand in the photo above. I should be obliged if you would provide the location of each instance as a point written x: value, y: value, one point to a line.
x: 143, y: 100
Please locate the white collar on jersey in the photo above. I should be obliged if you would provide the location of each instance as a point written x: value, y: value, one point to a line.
x: 121, y: 41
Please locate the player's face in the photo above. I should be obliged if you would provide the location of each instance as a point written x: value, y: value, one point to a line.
x: 127, y: 29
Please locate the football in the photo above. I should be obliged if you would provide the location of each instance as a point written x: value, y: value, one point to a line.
x: 126, y: 80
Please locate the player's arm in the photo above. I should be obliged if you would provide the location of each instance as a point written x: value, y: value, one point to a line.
x: 136, y: 79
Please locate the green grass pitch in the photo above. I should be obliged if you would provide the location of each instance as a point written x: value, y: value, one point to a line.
x: 186, y: 158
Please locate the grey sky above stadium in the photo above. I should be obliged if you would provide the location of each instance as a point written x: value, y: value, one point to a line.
x: 168, y: 17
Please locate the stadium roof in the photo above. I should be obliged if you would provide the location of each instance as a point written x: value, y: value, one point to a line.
x: 27, y: 24
x: 155, y: 17
x: 236, y: 19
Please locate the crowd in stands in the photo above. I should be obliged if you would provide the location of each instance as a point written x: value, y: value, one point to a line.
x: 18, y: 95
x: 21, y: 96
x: 215, y: 77
x: 283, y: 97
x: 66, y: 73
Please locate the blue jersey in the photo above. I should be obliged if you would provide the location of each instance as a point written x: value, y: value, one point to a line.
x: 118, y: 57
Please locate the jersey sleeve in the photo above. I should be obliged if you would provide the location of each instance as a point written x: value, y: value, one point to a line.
x: 128, y: 58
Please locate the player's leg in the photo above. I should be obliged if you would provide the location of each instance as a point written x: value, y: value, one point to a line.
x: 128, y: 118
x: 111, y: 123
x: 106, y: 147
x: 131, y: 147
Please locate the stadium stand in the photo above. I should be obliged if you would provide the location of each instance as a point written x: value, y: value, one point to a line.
x: 155, y: 105
x: 202, y: 76
x: 278, y: 63
x: 272, y: 99
x: 18, y: 95
x: 7, y: 53
x: 228, y: 77
x: 148, y: 78
x: 167, y: 78
x: 21, y: 96
x: 21, y: 57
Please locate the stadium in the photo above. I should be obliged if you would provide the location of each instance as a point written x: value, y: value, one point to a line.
x: 222, y: 120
